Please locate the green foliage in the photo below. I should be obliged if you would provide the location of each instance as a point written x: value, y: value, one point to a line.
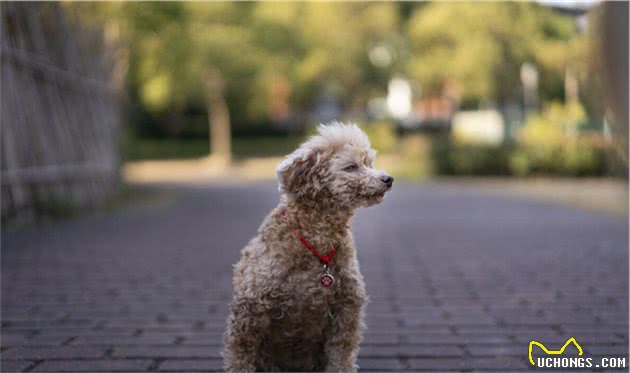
x: 314, y: 46
x: 382, y: 136
x: 317, y: 45
x: 350, y: 50
x: 556, y: 123
x: 411, y: 159
x: 483, y: 45
x: 147, y: 149
x: 553, y: 143
x: 450, y: 158
x: 583, y: 157
x: 265, y: 146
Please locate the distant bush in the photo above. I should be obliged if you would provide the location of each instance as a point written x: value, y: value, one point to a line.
x: 584, y: 156
x: 551, y: 143
x: 450, y: 158
x: 554, y: 142
x: 242, y: 147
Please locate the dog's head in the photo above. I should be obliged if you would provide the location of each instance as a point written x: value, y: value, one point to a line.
x: 334, y: 168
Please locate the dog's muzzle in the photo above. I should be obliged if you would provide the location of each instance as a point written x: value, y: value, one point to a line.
x: 387, y: 180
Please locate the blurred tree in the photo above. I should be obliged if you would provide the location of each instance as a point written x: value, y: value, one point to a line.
x: 483, y: 46
x: 228, y: 55
x: 224, y: 52
x: 188, y: 52
x: 326, y: 46
x: 246, y: 63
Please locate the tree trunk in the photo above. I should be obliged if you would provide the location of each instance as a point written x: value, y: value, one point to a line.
x: 218, y: 116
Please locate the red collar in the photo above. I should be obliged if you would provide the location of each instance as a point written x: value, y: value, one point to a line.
x: 324, y: 259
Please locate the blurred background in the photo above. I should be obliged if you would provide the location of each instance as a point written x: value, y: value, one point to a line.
x: 96, y: 94
x: 139, y: 142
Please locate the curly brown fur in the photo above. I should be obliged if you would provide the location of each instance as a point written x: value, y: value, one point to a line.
x: 281, y: 318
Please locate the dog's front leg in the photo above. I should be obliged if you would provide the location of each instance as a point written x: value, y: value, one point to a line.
x: 342, y: 345
x: 246, y: 324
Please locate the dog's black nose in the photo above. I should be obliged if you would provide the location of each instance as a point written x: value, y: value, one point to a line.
x: 388, y: 180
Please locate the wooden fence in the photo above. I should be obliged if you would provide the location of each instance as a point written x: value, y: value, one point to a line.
x: 59, y: 112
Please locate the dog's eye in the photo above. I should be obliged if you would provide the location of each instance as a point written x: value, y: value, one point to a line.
x: 351, y: 168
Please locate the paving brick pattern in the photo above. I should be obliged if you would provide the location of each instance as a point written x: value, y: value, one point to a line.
x: 458, y: 282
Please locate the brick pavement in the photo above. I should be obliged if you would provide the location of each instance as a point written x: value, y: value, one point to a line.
x: 459, y: 282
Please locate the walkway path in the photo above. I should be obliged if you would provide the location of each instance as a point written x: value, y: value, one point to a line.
x: 458, y: 281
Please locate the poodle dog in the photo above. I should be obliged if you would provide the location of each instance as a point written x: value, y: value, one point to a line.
x: 298, y: 294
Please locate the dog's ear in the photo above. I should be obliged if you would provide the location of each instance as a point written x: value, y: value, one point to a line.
x: 296, y: 171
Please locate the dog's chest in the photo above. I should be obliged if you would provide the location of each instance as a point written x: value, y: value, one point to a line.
x: 303, y: 312
x: 301, y: 296
x: 304, y: 296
